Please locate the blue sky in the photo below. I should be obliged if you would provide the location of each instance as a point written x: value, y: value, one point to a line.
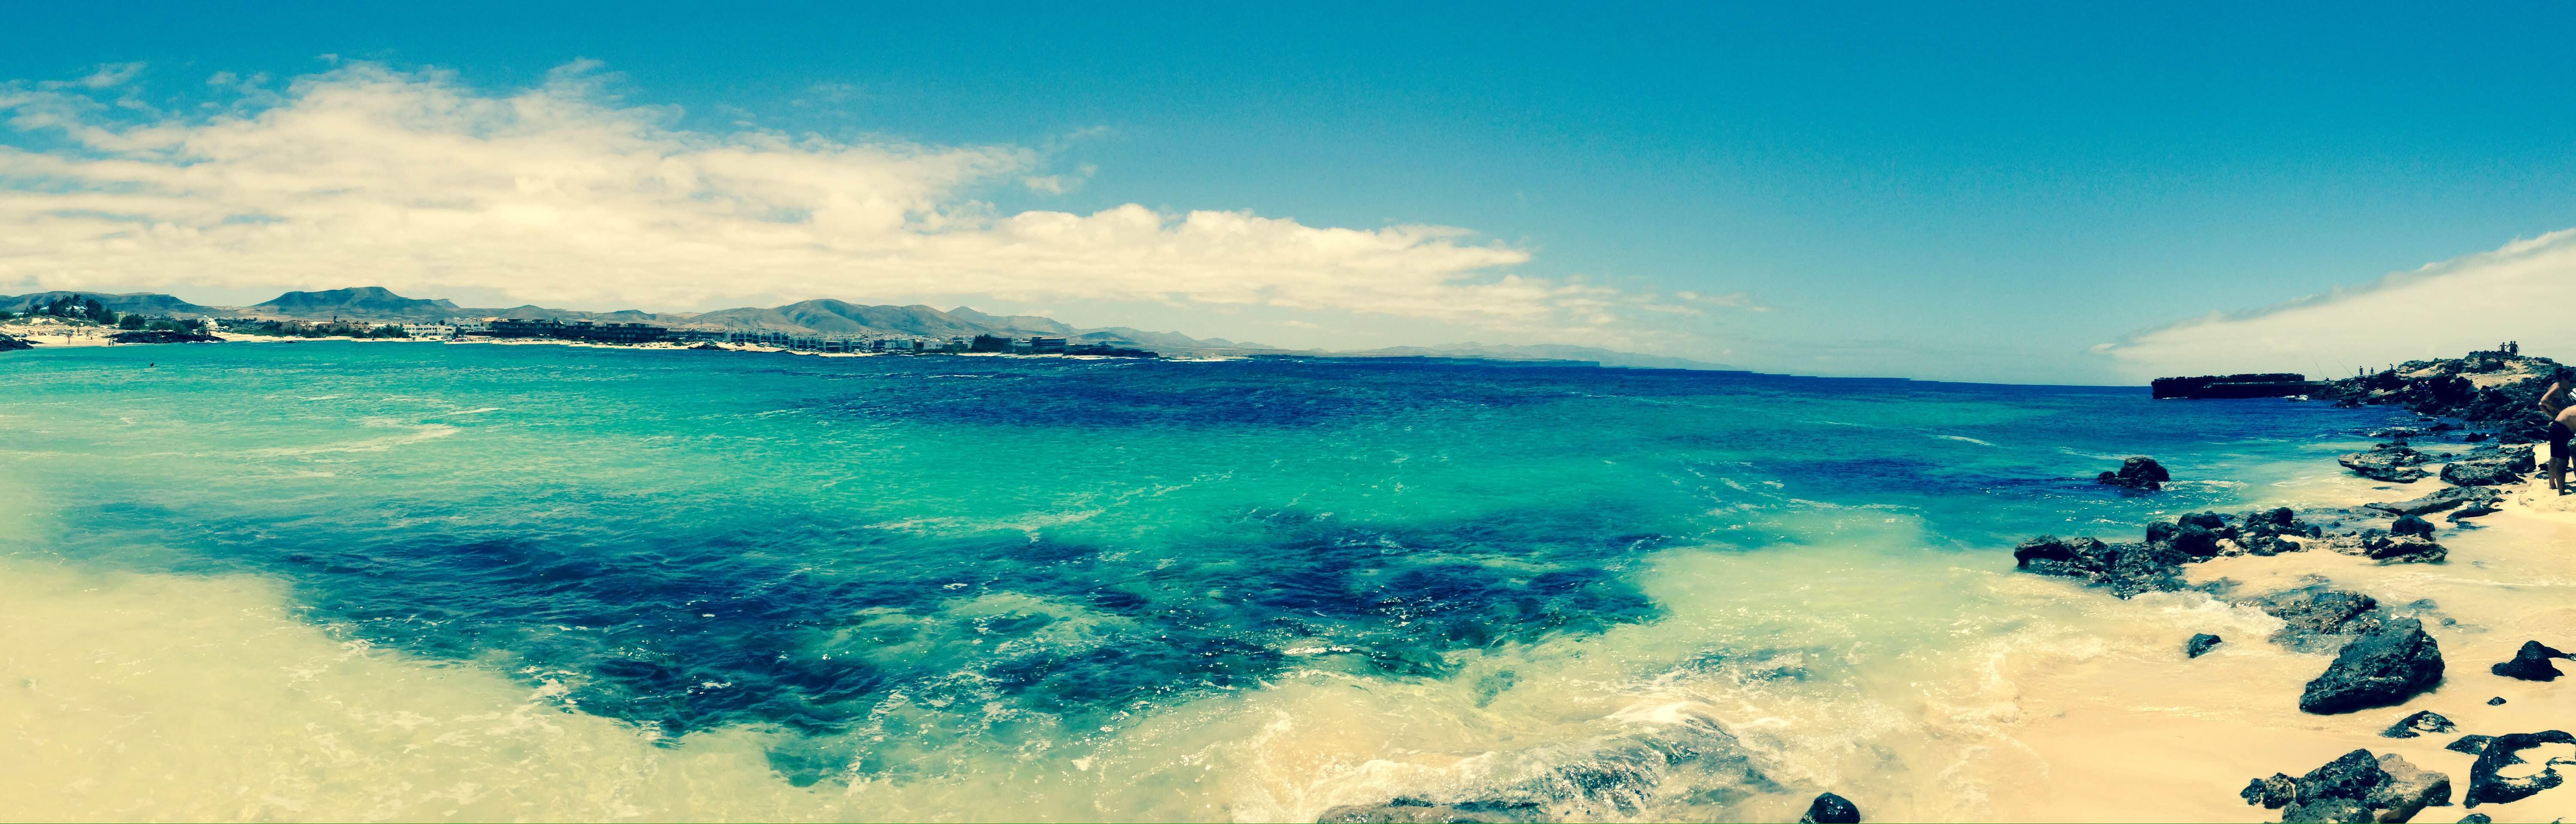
x: 1964, y: 192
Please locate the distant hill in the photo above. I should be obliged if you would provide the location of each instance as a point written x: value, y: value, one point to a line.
x: 827, y: 317
x: 143, y: 302
x: 368, y: 302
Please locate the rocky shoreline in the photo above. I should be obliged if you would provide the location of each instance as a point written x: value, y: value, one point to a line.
x: 2480, y: 412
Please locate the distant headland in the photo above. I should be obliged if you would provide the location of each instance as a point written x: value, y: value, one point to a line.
x: 821, y: 325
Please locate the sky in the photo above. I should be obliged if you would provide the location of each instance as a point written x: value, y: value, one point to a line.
x: 2031, y: 193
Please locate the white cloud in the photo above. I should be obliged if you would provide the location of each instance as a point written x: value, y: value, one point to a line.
x: 2525, y: 291
x: 366, y: 175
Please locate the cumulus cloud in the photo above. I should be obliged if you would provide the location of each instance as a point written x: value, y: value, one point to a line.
x: 366, y: 174
x: 2525, y: 291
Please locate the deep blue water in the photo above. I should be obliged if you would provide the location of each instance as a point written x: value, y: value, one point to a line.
x: 900, y: 563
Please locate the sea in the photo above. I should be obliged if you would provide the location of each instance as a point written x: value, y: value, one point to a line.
x: 420, y: 581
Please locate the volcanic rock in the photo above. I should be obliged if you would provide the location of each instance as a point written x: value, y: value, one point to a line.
x: 2318, y: 619
x: 2531, y: 663
x: 2383, y: 667
x: 1831, y: 809
x: 2126, y: 569
x: 2423, y: 721
x: 2483, y: 471
x: 2200, y: 644
x: 2447, y: 498
x: 2355, y: 787
x: 2138, y: 472
x: 2487, y: 787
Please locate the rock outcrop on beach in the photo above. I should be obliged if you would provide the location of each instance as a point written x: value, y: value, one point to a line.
x: 2423, y: 721
x: 2497, y: 389
x: 2137, y: 472
x: 2390, y: 462
x: 2382, y: 668
x: 2487, y: 784
x: 2354, y: 787
x: 2531, y: 663
x: 11, y: 343
x: 1829, y: 808
x: 2484, y: 471
x: 2388, y: 548
x: 2447, y: 498
x: 2200, y: 645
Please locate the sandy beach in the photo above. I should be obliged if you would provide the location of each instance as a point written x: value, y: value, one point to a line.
x: 2135, y: 731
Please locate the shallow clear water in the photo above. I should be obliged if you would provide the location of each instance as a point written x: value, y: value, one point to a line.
x: 723, y: 585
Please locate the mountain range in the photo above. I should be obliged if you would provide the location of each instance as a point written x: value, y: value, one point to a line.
x: 822, y: 316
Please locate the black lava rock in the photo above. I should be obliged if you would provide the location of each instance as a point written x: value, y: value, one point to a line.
x: 2423, y: 721
x: 2476, y: 818
x: 2126, y: 569
x: 1831, y: 809
x: 2389, y: 464
x: 2497, y: 701
x: 2484, y: 471
x: 2356, y: 786
x: 2318, y: 619
x: 2447, y: 498
x: 2200, y: 644
x: 2486, y: 787
x: 2411, y: 525
x: 2531, y: 663
x: 2381, y: 668
x: 2471, y: 744
x: 2139, y: 472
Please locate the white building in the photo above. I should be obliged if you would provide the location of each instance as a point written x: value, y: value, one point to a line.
x: 433, y: 331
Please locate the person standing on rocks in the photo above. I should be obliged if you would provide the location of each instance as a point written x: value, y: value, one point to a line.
x: 2562, y: 417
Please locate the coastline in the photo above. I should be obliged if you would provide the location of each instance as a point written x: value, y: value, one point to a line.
x: 2153, y: 735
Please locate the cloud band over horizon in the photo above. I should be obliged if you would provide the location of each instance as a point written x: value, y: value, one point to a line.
x: 366, y: 174
x: 2524, y: 291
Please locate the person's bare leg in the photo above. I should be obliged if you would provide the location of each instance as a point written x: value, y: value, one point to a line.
x: 2557, y: 472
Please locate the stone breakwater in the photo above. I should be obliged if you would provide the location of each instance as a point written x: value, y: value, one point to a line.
x: 2479, y: 412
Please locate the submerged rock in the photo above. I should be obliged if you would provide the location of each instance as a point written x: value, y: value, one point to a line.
x: 1831, y: 809
x: 2356, y: 787
x: 2200, y: 644
x: 2126, y: 569
x: 2531, y: 663
x: 2471, y: 744
x: 2318, y: 619
x: 2383, y: 667
x: 2471, y: 510
x: 2423, y: 721
x: 2138, y: 472
x: 2486, y: 786
x: 1411, y: 811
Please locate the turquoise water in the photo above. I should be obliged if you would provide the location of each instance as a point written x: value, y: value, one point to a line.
x: 990, y: 588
